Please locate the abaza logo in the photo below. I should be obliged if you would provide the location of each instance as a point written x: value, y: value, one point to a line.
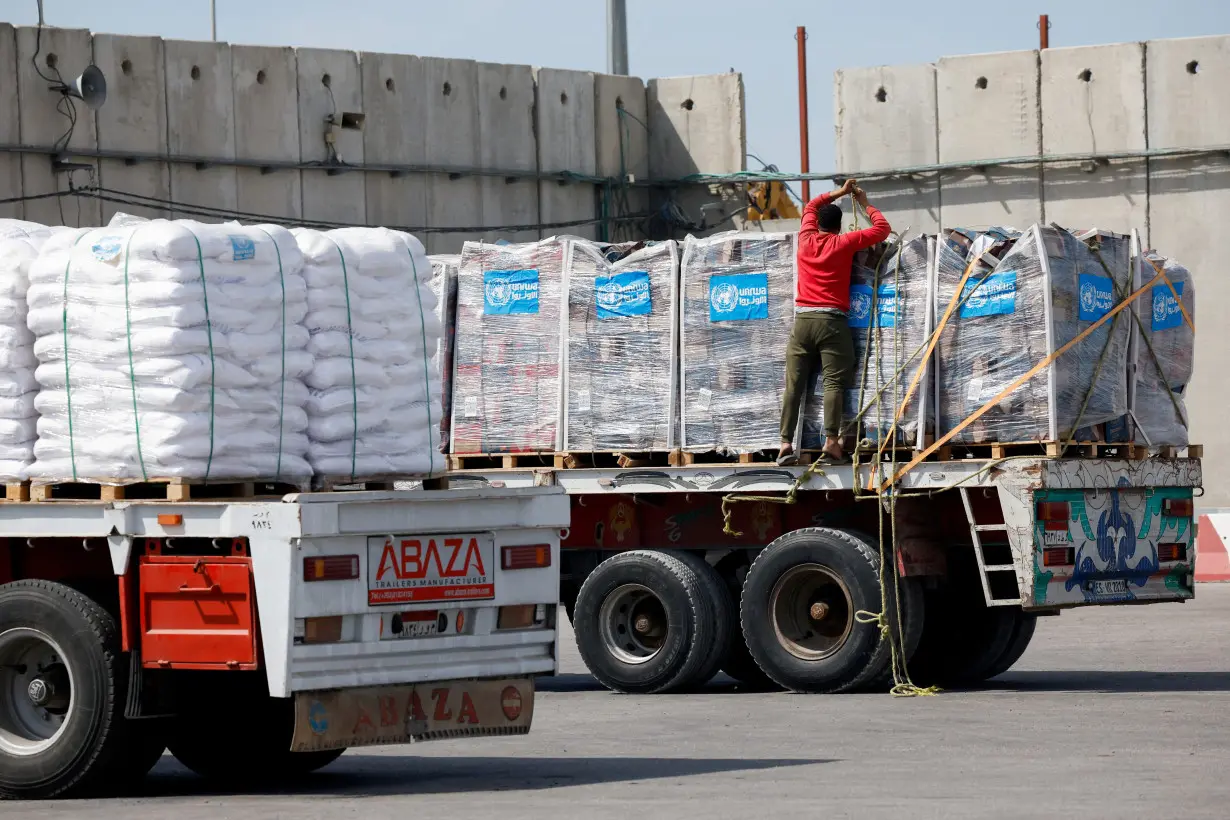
x: 412, y: 559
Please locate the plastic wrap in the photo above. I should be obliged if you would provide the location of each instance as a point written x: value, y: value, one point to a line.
x: 738, y: 309
x: 1114, y: 252
x: 1158, y: 400
x: 19, y: 246
x: 444, y: 285
x: 170, y: 349
x: 896, y: 336
x: 375, y: 401
x: 619, y: 369
x: 507, y: 376
x: 1017, y: 306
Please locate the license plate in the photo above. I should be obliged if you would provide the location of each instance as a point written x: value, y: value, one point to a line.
x: 372, y: 716
x: 1117, y: 586
x: 405, y: 569
x: 1055, y: 538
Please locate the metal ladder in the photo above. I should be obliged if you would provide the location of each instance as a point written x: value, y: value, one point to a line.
x: 983, y: 567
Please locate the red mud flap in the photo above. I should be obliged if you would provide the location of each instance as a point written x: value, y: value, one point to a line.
x: 380, y: 715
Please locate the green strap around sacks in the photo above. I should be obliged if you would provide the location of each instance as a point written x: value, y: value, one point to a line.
x: 354, y: 388
x: 68, y: 392
x: 418, y: 298
x: 132, y: 373
x: 209, y: 331
x: 282, y: 395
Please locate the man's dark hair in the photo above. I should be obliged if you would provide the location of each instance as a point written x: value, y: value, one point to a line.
x: 830, y: 218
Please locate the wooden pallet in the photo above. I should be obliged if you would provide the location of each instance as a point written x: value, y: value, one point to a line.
x: 621, y: 459
x: 369, y: 483
x: 1041, y: 449
x: 458, y: 462
x: 155, y: 489
x: 687, y: 459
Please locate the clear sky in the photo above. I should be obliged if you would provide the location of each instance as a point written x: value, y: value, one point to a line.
x: 666, y: 37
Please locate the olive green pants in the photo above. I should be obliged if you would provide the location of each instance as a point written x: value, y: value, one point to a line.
x: 824, y: 339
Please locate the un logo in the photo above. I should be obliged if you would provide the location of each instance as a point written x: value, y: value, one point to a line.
x: 1089, y: 296
x: 724, y: 298
x: 860, y: 307
x: 499, y: 293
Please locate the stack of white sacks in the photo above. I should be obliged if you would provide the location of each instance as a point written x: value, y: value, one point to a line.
x: 19, y: 246
x: 170, y: 349
x: 375, y: 403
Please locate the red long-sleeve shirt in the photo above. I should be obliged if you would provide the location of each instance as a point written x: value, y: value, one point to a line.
x: 825, y: 259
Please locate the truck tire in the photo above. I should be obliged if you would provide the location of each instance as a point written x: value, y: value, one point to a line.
x: 798, y: 611
x: 144, y: 742
x: 251, y: 742
x: 725, y: 621
x: 739, y: 663
x: 1022, y: 634
x: 61, y: 691
x: 963, y: 639
x: 645, y: 623
x: 878, y: 674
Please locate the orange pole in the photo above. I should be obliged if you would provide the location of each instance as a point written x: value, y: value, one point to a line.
x: 1044, y: 31
x: 801, y: 36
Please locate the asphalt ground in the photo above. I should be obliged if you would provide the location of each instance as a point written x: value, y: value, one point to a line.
x: 1118, y: 712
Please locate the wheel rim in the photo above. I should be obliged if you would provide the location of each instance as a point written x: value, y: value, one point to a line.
x: 36, y: 686
x: 633, y: 623
x: 813, y: 613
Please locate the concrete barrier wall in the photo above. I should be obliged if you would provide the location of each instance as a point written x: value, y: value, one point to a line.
x: 256, y: 104
x: 1158, y: 95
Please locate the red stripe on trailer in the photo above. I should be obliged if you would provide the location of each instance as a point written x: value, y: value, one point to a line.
x: 1212, y: 552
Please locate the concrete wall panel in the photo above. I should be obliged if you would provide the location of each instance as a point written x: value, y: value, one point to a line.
x: 988, y: 108
x: 566, y: 142
x: 133, y: 119
x: 885, y: 118
x: 1093, y: 101
x: 265, y: 86
x: 201, y: 119
x: 10, y: 128
x: 697, y: 124
x: 62, y: 54
x: 329, y: 85
x: 507, y: 142
x: 451, y: 123
x: 1189, y: 205
x: 621, y: 106
x: 393, y: 99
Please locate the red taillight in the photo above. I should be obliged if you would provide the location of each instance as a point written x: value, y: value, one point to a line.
x: 331, y: 568
x: 323, y: 630
x: 1172, y: 552
x: 1058, y: 557
x: 1178, y: 507
x: 534, y: 556
x: 1052, y: 511
x: 420, y: 615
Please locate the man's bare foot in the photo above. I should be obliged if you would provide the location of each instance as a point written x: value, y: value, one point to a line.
x: 786, y: 456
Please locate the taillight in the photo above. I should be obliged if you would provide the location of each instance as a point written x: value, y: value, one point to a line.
x: 521, y: 616
x: 322, y: 630
x: 1172, y: 552
x: 331, y: 568
x: 534, y: 556
x: 1052, y: 511
x: 1178, y: 507
x: 1059, y: 556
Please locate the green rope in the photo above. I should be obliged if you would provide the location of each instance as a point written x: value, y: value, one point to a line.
x: 418, y: 298
x: 209, y: 331
x: 354, y: 385
x: 68, y: 392
x: 282, y: 383
x: 132, y: 371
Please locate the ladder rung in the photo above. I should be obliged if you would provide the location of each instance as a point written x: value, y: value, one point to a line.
x: 999, y: 568
x: 991, y: 527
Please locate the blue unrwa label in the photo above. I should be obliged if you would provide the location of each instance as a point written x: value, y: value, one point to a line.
x: 738, y: 297
x: 1097, y: 297
x: 242, y: 248
x: 509, y: 292
x: 623, y: 294
x: 860, y: 306
x: 991, y: 296
x: 1166, y: 312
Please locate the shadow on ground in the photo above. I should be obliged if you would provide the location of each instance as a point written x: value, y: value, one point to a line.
x: 373, y: 775
x: 1111, y: 682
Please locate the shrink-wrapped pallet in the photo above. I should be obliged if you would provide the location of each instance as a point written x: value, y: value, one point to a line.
x: 19, y: 246
x: 375, y: 403
x: 444, y: 269
x: 1164, y: 351
x: 1111, y: 251
x: 890, y: 321
x: 620, y: 382
x: 1013, y: 311
x: 507, y: 374
x: 170, y: 349
x: 737, y: 312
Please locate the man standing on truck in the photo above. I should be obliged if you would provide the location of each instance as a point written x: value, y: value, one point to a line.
x: 821, y: 328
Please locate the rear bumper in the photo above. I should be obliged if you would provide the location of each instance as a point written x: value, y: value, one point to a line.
x: 384, y: 715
